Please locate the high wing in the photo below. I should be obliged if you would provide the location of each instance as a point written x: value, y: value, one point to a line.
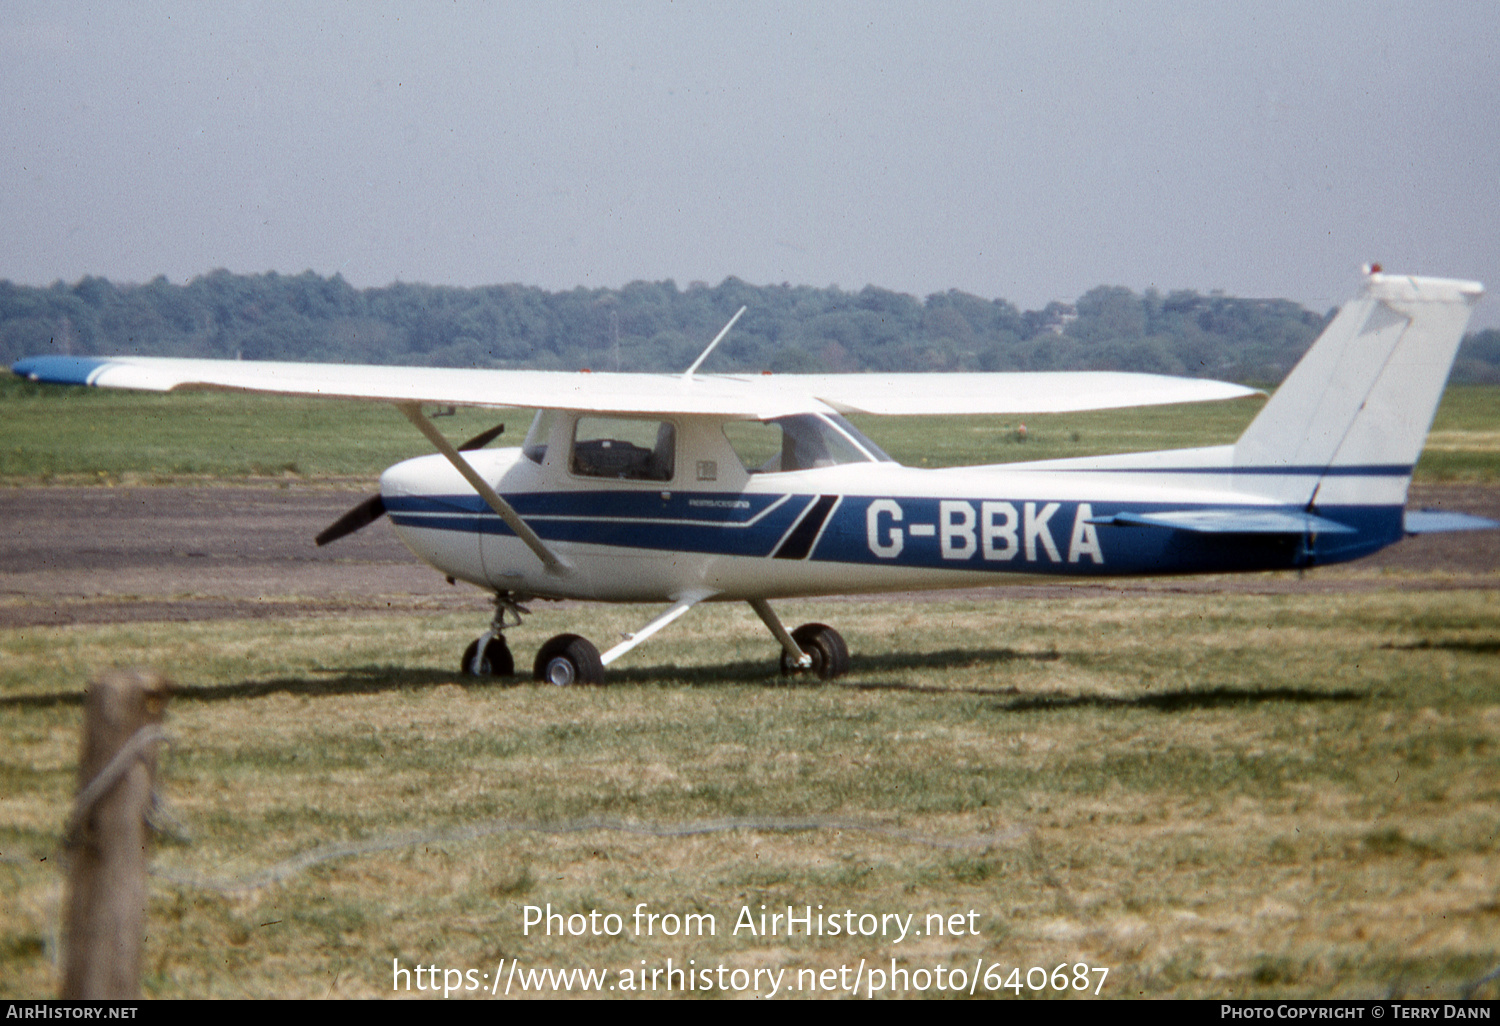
x: 744, y: 396
x: 1017, y: 392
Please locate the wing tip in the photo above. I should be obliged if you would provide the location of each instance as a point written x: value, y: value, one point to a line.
x: 59, y: 370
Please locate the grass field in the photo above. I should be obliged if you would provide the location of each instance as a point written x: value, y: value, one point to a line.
x: 1261, y: 796
x: 74, y: 435
x: 1208, y: 795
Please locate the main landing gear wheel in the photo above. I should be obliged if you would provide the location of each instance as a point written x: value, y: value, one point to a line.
x: 496, y: 661
x: 568, y: 659
x: 830, y: 656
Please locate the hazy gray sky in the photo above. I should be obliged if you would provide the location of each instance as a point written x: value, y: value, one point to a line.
x: 1026, y: 151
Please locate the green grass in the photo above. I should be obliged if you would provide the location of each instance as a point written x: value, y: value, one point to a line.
x: 72, y: 434
x: 1253, y: 796
x: 54, y: 433
x: 1464, y: 443
x: 959, y: 441
x: 1266, y: 796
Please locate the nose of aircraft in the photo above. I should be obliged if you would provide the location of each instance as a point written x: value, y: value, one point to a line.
x: 436, y: 513
x: 425, y: 476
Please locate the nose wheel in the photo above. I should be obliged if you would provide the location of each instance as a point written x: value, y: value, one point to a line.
x: 494, y: 660
x: 488, y: 655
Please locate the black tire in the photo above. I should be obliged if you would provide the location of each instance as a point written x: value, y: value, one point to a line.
x: 830, y: 656
x: 497, y: 661
x: 568, y: 659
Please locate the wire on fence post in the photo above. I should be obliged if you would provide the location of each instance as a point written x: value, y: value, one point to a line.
x: 107, y: 836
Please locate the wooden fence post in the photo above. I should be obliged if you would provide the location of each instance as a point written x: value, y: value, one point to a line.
x: 107, y: 837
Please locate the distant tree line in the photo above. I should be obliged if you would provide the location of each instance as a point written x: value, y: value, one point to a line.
x: 656, y: 326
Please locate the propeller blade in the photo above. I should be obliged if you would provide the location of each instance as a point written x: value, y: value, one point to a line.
x: 363, y: 515
x: 482, y: 439
x: 373, y: 508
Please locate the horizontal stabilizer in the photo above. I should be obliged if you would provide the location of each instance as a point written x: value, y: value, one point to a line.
x: 1434, y: 521
x: 1230, y: 521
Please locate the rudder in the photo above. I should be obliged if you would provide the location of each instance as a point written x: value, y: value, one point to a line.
x: 1350, y: 420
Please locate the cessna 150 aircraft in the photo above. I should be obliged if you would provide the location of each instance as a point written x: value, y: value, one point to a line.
x: 699, y: 487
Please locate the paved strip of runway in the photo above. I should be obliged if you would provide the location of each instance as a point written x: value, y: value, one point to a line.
x: 99, y: 555
x: 104, y: 555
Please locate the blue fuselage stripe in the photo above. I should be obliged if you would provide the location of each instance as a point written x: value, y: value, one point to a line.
x: 1011, y: 535
x: 1356, y: 470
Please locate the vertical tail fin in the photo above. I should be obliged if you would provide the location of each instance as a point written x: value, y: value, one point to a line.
x: 1350, y: 420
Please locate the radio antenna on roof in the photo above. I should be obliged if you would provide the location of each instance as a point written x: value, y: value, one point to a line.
x: 687, y: 375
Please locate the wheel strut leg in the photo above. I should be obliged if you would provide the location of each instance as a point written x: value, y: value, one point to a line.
x: 768, y: 617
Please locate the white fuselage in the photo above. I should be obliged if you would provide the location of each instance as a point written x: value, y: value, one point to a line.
x: 715, y: 528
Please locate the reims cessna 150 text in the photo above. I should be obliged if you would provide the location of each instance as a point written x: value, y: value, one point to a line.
x: 693, y: 488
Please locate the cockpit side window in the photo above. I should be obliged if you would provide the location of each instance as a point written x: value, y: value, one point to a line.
x: 858, y: 437
x: 631, y: 448
x: 800, y: 442
x: 757, y: 443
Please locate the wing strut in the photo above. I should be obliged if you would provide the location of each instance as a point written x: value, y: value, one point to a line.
x: 491, y: 497
x: 681, y: 606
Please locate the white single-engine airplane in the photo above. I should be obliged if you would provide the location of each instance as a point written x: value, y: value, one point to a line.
x: 698, y: 487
